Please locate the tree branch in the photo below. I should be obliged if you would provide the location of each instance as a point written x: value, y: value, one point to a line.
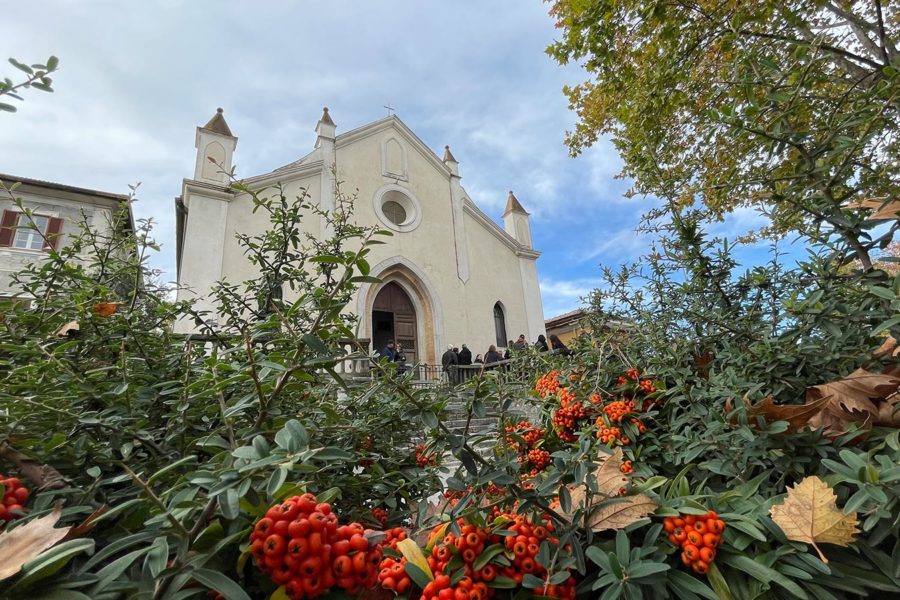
x: 43, y: 477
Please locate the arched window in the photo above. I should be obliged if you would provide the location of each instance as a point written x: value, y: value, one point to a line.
x: 500, y: 325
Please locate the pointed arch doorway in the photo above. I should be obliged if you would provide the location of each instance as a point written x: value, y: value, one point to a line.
x: 394, y: 318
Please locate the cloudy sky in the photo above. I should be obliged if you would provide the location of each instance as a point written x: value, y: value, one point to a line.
x: 137, y: 78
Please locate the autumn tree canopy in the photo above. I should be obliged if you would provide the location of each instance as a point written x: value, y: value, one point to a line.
x: 786, y: 105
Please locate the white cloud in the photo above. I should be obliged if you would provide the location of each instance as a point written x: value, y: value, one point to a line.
x: 562, y: 295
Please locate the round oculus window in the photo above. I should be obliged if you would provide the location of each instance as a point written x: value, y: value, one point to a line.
x: 394, y: 212
x: 397, y: 208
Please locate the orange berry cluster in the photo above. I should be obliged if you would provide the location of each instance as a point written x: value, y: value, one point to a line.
x: 392, y: 575
x: 529, y: 454
x: 15, y: 495
x: 392, y: 571
x: 630, y: 375
x: 567, y: 416
x: 618, y: 409
x: 532, y: 434
x: 537, y: 458
x: 615, y: 412
x: 697, y: 536
x: 548, y: 384
x: 300, y: 545
x: 423, y: 459
x: 468, y: 545
x: 627, y: 468
x: 524, y: 545
x: 380, y: 515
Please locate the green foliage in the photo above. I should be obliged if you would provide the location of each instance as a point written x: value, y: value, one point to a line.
x: 37, y: 76
x: 181, y: 442
x: 790, y: 107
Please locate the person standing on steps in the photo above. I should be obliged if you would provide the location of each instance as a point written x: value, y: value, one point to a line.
x: 465, y: 356
x: 389, y: 351
x: 449, y: 361
x: 492, y: 357
x: 400, y: 359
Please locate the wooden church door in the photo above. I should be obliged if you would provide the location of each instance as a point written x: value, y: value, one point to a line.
x: 394, y: 318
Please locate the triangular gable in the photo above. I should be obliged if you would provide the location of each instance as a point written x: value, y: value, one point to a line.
x: 394, y: 123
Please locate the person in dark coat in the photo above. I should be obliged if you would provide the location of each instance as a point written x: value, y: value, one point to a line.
x: 449, y: 360
x: 400, y: 359
x: 557, y: 347
x: 389, y: 352
x: 506, y: 353
x: 465, y: 356
x: 541, y: 344
x: 492, y: 356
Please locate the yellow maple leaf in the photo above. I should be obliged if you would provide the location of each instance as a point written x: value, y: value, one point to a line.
x: 810, y: 514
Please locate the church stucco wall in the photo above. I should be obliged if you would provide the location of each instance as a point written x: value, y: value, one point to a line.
x: 466, y: 307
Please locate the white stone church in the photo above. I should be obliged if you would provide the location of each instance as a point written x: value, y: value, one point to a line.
x: 449, y: 274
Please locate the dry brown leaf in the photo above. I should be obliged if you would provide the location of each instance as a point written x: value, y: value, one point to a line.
x: 856, y: 391
x: 810, y: 514
x: 889, y: 411
x: 882, y: 210
x: 859, y: 398
x: 797, y: 415
x: 616, y: 515
x: 888, y: 347
x: 622, y: 513
x: 106, y: 309
x: 610, y: 478
x: 25, y: 542
x: 69, y: 329
x: 83, y: 528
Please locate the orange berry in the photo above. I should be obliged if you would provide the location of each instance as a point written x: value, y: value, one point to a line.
x: 694, y: 538
x: 701, y: 567
x: 690, y: 519
x: 707, y: 554
x: 711, y: 540
x: 669, y: 526
x: 691, y: 551
x: 700, y: 527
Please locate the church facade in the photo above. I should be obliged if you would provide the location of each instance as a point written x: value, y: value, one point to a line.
x: 449, y: 274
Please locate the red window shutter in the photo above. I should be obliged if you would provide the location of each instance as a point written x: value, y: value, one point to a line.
x: 54, y: 228
x: 6, y: 227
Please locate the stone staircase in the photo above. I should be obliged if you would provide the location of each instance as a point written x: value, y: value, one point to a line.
x: 486, y: 429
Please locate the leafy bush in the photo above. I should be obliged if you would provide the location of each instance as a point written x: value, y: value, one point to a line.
x: 165, y: 451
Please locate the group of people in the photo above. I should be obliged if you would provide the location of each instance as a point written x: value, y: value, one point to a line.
x: 394, y: 353
x: 455, y: 357
x: 542, y: 345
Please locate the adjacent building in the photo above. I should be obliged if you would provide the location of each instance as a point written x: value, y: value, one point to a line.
x: 57, y: 213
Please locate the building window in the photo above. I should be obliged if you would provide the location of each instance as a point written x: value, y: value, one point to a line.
x: 31, y: 236
x: 500, y: 325
x: 394, y: 212
x: 397, y: 208
x: 40, y: 232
